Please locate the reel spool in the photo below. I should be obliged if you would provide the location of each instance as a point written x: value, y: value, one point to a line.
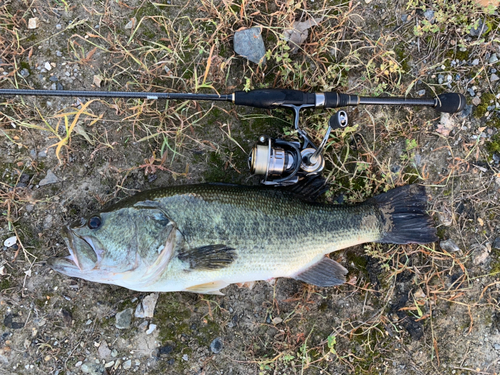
x: 283, y: 163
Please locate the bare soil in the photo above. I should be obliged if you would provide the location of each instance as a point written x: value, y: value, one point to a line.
x: 405, y: 310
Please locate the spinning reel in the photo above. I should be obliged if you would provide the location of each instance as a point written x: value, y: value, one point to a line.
x: 283, y: 163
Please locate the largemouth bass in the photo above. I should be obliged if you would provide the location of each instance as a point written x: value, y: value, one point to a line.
x: 201, y: 238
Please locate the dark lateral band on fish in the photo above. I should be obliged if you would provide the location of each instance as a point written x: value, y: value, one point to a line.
x: 201, y: 238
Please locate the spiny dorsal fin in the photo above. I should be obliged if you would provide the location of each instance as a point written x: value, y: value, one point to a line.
x: 326, y: 272
x: 210, y: 257
x: 309, y: 188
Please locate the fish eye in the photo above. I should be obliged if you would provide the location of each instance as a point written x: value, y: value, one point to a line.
x: 94, y: 222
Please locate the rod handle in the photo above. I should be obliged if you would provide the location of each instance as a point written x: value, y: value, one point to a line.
x: 450, y: 102
x: 273, y: 98
x: 336, y: 100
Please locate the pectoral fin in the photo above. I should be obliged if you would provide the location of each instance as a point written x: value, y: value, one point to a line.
x: 208, y: 288
x: 326, y: 272
x: 212, y: 257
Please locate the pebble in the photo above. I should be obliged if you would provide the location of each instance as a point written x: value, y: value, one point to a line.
x: 146, y: 308
x: 440, y: 78
x: 496, y: 243
x: 471, y: 92
x: 51, y: 178
x: 53, y: 79
x: 11, y: 241
x: 24, y: 73
x: 496, y: 346
x: 33, y: 23
x: 58, y: 26
x: 127, y: 364
x: 429, y: 14
x: 114, y: 353
x: 449, y: 245
x: 185, y: 357
x: 476, y: 101
x: 58, y: 53
x: 493, y: 59
x: 143, y: 326
x: 421, y: 92
x: 481, y: 253
x: 151, y: 328
x: 480, y: 29
x: 249, y: 44
x: 47, y: 66
x: 216, y: 346
x: 494, y: 78
x: 92, y: 368
x: 124, y: 319
x: 103, y: 350
x: 475, y: 62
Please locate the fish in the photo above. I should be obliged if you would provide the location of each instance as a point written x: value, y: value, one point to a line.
x: 202, y: 238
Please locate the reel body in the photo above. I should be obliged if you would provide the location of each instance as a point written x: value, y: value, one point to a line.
x: 283, y: 163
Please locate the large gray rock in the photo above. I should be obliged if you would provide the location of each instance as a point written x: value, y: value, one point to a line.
x: 248, y: 43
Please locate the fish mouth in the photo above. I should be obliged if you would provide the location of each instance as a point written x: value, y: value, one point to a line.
x: 82, y: 256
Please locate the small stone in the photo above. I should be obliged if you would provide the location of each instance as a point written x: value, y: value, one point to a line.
x: 449, y: 246
x: 480, y: 29
x: 429, y: 14
x: 277, y: 320
x: 78, y: 364
x: 58, y: 53
x: 127, y: 364
x: 47, y: 66
x: 103, y: 351
x: 42, y: 154
x: 24, y: 73
x: 496, y: 243
x: 151, y: 328
x: 29, y: 208
x: 123, y: 319
x: 51, y: 178
x: 33, y: 23
x: 421, y: 92
x: 216, y: 346
x: 493, y: 59
x: 404, y: 18
x: 131, y: 23
x: 471, y: 92
x: 481, y: 253
x: 494, y: 78
x: 496, y: 346
x: 53, y: 79
x: 144, y: 326
x: 185, y: 357
x: 146, y: 308
x: 249, y: 44
x: 440, y: 78
x: 109, y: 364
x: 475, y: 62
x: 11, y: 241
x: 114, y: 353
x: 58, y: 26
x: 476, y: 101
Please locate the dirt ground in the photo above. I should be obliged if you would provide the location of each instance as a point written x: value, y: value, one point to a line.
x: 412, y: 309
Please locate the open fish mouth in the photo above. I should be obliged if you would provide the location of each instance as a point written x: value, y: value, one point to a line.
x: 82, y: 255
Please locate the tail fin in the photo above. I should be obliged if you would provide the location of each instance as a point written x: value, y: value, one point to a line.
x: 403, y: 210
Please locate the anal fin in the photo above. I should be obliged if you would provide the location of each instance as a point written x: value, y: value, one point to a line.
x: 326, y: 272
x: 208, y: 288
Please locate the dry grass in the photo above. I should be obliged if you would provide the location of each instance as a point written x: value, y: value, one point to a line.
x: 173, y: 48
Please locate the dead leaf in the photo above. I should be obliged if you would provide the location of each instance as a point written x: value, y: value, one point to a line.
x: 487, y: 3
x: 298, y: 33
x: 97, y: 80
x: 446, y: 124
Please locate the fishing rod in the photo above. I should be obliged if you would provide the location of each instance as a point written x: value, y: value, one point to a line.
x: 280, y: 162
